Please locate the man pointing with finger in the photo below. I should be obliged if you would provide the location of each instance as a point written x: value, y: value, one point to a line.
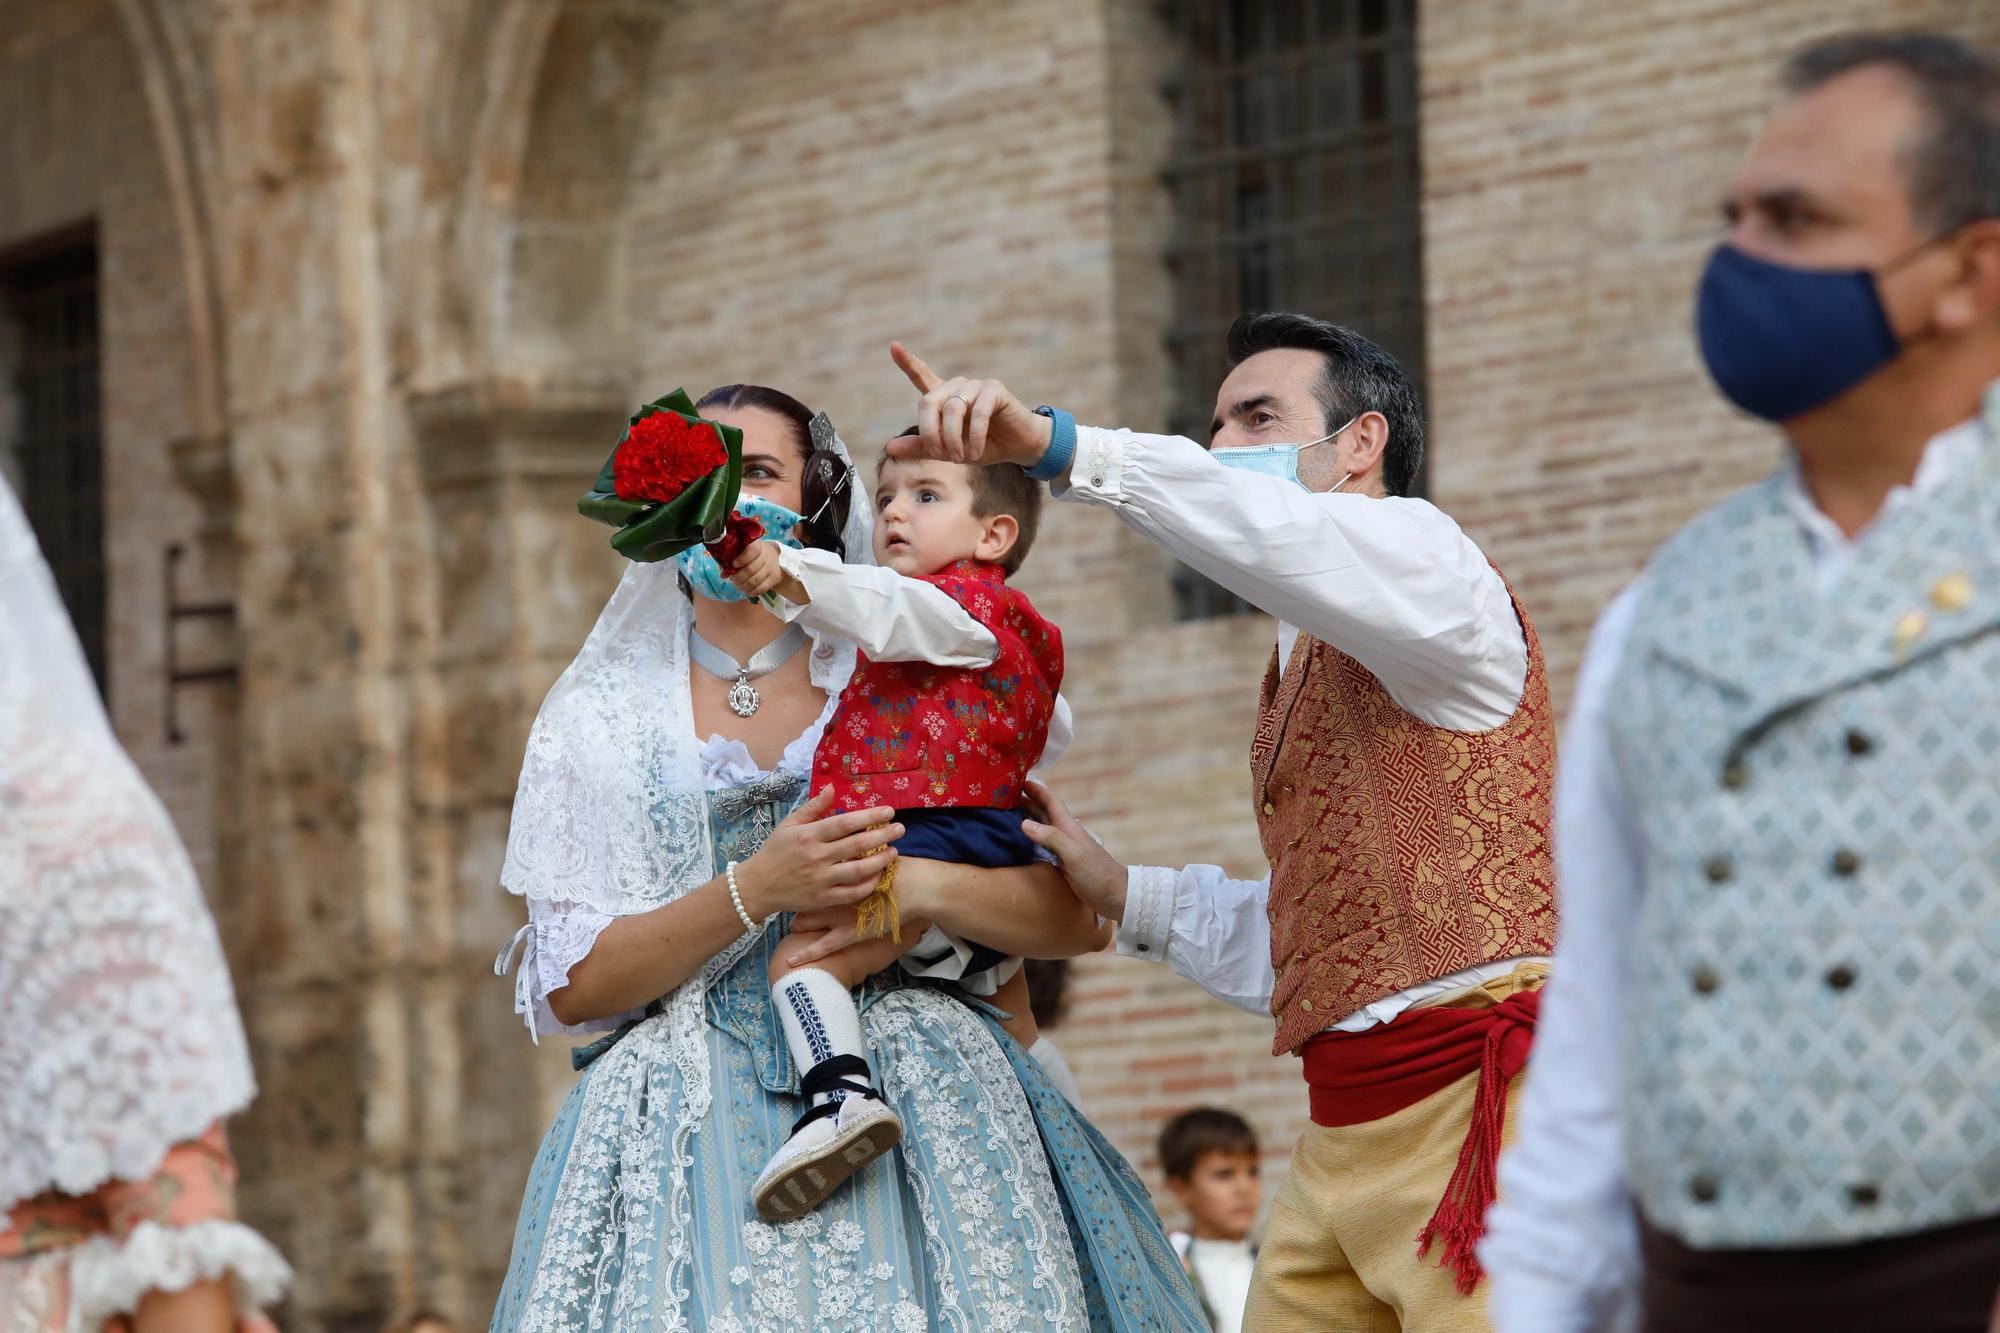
x: 1402, y: 769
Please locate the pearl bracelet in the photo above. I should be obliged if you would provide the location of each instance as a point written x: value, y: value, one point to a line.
x: 736, y: 897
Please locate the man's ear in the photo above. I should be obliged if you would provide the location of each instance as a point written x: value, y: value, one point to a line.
x: 1974, y: 298
x: 1182, y: 1189
x: 1362, y: 446
x: 997, y: 537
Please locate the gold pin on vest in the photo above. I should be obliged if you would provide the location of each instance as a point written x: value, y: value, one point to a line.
x: 1953, y: 592
x: 1908, y: 630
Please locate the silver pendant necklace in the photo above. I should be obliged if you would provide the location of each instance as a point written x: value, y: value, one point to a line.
x: 743, y: 696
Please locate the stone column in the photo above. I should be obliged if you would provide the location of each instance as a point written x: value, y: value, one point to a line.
x: 520, y: 581
x: 329, y: 573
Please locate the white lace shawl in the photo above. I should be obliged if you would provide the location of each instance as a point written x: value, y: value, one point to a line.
x: 122, y: 1036
x: 561, y: 934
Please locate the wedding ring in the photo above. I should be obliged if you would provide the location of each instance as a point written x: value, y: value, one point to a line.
x: 963, y: 399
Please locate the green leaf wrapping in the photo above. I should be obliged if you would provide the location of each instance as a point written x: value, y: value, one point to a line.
x: 649, y: 530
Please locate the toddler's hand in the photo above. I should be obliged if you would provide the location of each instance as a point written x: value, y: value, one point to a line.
x: 842, y: 931
x: 758, y: 572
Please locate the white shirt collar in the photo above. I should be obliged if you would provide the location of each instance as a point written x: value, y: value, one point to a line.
x: 1216, y: 1250
x: 1944, y: 455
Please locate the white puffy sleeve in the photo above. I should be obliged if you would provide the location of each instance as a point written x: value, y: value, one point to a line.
x: 558, y: 936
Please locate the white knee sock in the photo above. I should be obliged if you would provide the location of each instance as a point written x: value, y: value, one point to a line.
x: 821, y: 1020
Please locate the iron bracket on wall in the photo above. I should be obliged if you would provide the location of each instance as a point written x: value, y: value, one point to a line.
x: 178, y: 611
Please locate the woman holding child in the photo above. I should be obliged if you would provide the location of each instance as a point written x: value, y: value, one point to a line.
x: 663, y: 836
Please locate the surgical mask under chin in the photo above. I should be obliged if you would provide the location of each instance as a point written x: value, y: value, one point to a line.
x: 705, y: 576
x: 1277, y: 460
x: 1780, y: 341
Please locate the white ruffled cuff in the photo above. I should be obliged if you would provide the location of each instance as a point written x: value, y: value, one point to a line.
x: 1147, y: 928
x: 809, y: 566
x: 110, y: 1277
x: 1097, y: 474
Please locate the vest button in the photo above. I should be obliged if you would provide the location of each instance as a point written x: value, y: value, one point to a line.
x: 1846, y: 862
x: 1705, y: 981
x: 1858, y: 743
x: 1270, y: 809
x: 1306, y: 1005
x: 1735, y: 776
x: 1704, y: 1189
x: 1718, y: 869
x: 1864, y: 1196
x: 1840, y: 978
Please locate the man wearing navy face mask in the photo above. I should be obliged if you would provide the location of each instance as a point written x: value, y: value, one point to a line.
x: 1402, y: 766
x: 1776, y: 1025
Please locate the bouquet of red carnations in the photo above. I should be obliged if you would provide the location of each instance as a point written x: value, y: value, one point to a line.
x: 671, y: 483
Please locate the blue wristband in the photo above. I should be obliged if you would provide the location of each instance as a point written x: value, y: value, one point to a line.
x: 1062, y: 445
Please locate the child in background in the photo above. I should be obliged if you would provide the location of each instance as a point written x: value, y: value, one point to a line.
x: 1210, y: 1160
x: 949, y: 709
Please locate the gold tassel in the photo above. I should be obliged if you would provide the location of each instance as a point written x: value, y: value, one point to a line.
x: 878, y: 914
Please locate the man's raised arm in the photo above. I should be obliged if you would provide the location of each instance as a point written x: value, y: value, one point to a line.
x: 1392, y: 582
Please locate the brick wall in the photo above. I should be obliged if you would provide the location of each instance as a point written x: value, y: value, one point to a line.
x: 1574, y: 157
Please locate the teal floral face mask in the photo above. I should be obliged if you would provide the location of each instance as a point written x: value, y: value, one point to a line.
x: 1275, y: 460
x: 705, y: 576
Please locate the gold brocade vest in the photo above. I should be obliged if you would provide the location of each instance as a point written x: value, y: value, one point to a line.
x: 1400, y: 851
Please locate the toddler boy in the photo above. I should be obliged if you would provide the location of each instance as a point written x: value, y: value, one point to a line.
x: 949, y: 708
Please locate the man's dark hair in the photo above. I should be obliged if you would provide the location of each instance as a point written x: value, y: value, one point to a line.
x: 1048, y: 989
x: 1205, y: 1129
x: 1000, y: 488
x: 1954, y: 171
x: 1358, y: 377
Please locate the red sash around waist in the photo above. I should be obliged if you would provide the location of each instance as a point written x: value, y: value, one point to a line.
x: 1356, y: 1077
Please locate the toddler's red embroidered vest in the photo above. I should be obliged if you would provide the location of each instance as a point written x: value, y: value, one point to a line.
x: 913, y: 735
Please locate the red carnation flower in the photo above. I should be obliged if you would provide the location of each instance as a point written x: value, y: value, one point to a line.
x: 663, y: 455
x: 738, y: 531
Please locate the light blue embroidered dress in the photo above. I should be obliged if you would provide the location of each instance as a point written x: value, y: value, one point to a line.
x: 1003, y: 1210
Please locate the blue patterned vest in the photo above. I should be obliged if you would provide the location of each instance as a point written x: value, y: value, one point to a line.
x: 1813, y: 1052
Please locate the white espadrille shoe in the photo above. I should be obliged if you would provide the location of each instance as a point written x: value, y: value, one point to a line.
x: 829, y: 1143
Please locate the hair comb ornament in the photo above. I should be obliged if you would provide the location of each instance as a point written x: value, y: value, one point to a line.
x: 820, y: 428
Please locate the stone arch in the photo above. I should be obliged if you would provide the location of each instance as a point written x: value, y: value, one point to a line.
x: 169, y: 54
x: 544, y: 124
x: 559, y: 310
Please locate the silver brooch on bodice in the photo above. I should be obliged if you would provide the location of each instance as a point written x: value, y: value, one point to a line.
x: 743, y: 696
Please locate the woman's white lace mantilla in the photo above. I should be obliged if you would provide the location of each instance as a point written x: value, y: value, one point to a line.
x: 122, y: 1037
